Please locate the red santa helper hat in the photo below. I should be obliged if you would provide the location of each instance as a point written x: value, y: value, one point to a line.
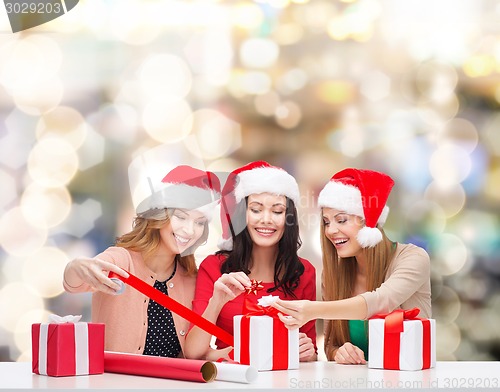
x: 184, y: 187
x: 363, y: 193
x: 255, y: 177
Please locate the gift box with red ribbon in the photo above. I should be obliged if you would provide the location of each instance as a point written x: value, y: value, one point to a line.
x: 401, y: 341
x: 261, y: 340
x: 66, y: 347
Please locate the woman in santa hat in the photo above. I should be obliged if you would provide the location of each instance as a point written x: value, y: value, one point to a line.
x: 364, y: 272
x: 260, y: 239
x: 170, y: 225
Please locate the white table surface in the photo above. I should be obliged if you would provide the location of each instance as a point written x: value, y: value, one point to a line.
x: 313, y: 375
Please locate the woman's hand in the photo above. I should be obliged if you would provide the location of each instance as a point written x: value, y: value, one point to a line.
x: 93, y: 272
x: 350, y: 354
x: 229, y: 286
x: 294, y: 313
x: 306, y: 348
x: 214, y: 355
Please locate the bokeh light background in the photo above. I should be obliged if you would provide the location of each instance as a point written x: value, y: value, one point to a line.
x: 409, y: 87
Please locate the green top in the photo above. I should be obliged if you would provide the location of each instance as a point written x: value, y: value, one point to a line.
x: 359, y: 336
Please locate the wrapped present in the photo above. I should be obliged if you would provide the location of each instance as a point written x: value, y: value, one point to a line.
x: 401, y: 341
x: 254, y: 345
x: 66, y: 347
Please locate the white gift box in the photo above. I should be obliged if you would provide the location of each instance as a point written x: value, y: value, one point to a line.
x: 411, y: 352
x: 261, y: 343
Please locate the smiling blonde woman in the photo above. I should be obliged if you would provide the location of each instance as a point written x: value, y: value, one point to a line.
x: 364, y: 272
x: 170, y: 225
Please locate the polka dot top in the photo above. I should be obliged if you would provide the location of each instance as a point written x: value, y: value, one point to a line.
x: 161, y: 338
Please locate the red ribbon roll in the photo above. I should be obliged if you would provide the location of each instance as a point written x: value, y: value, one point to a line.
x: 175, y: 307
x: 393, y: 326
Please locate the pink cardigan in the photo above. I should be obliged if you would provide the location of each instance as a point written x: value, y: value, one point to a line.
x: 126, y: 315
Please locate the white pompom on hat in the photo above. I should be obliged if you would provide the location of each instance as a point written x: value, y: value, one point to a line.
x: 362, y: 193
x: 184, y: 187
x: 253, y: 178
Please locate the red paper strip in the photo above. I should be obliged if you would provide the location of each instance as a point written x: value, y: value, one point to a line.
x: 176, y: 307
x: 162, y: 367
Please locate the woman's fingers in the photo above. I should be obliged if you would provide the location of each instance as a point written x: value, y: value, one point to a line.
x: 289, y: 321
x: 349, y: 353
x: 284, y: 307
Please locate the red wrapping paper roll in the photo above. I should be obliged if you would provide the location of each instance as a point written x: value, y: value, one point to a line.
x: 162, y: 367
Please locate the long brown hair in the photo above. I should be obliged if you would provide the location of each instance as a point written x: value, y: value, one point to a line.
x: 145, y: 237
x: 339, y: 278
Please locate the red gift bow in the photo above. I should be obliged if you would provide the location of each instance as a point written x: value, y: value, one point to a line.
x: 393, y: 326
x: 280, y: 334
x: 176, y: 307
x: 255, y: 285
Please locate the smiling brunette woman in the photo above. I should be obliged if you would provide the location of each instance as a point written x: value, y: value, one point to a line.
x: 364, y: 273
x: 169, y: 226
x: 260, y: 240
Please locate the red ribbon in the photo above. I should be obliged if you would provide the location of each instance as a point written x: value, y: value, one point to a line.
x: 393, y: 326
x: 176, y: 307
x: 280, y: 334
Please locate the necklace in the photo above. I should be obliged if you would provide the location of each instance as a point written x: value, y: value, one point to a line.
x: 173, y: 272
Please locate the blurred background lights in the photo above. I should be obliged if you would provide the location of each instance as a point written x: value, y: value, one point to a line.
x: 211, y: 54
x: 479, y: 231
x: 9, y: 192
x: 266, y: 104
x: 492, y: 135
x: 134, y: 22
x: 117, y: 122
x: 45, y: 207
x: 63, y: 123
x: 450, y: 198
x: 164, y: 74
x: 450, y: 254
x: 436, y: 81
x: 446, y: 306
x: 52, y: 162
x: 459, y: 132
x: 259, y: 53
x: 375, y: 85
x: 216, y: 135
x: 450, y: 165
x: 492, y: 186
x: 40, y: 96
x: 447, y: 340
x: 27, y: 61
x: 293, y: 80
x: 18, y: 236
x: 425, y: 219
x: 43, y: 270
x: 164, y: 119
x: 82, y: 218
x: 410, y: 88
x: 288, y: 114
x: 336, y: 92
x: 19, y: 138
x: 247, y: 15
x: 91, y: 153
x: 253, y: 82
x: 26, y: 299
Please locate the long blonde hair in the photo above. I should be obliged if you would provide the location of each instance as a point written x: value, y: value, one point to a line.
x: 145, y: 238
x: 339, y: 278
